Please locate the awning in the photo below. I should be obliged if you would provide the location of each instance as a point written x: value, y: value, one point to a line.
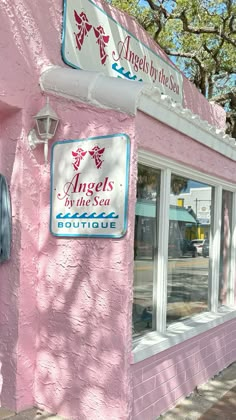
x: 145, y: 209
x: 181, y: 215
x: 148, y: 209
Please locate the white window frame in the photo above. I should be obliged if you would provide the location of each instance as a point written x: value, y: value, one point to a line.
x: 163, y: 338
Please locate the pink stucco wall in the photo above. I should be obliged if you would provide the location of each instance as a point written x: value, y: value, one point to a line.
x: 65, y: 304
x: 84, y: 342
x: 170, y: 143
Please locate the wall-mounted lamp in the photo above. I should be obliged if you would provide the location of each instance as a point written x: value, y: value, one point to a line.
x: 46, y: 123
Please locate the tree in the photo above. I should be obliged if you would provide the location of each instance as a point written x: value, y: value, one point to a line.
x: 200, y: 37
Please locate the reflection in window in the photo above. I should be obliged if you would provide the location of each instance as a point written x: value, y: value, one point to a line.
x: 225, y: 244
x: 189, y: 233
x: 145, y: 247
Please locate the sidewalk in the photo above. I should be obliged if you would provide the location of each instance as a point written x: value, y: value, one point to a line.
x: 214, y: 400
x: 32, y: 414
x: 225, y: 408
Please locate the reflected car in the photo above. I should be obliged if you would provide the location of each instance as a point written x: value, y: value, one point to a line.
x: 188, y: 248
x: 198, y: 243
x: 181, y: 247
x: 205, y: 248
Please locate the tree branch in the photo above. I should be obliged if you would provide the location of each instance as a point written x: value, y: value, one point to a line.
x: 226, y: 97
x: 214, y: 30
x: 193, y: 56
x: 158, y: 8
x: 232, y: 24
x: 203, y: 30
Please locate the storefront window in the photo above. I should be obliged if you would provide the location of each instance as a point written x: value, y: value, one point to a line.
x: 189, y: 233
x: 181, y: 259
x: 145, y: 247
x: 225, y: 244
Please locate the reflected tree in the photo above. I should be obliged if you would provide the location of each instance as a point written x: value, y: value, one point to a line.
x: 147, y: 183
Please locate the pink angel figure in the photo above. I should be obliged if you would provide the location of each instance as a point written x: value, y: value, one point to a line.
x: 102, y: 40
x: 96, y: 154
x: 83, y: 26
x: 78, y: 155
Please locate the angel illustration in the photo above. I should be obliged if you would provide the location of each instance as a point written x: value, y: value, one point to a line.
x: 78, y: 155
x: 102, y: 40
x: 96, y: 154
x: 83, y: 26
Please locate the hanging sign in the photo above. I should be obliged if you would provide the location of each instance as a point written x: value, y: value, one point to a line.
x: 89, y: 187
x: 93, y: 40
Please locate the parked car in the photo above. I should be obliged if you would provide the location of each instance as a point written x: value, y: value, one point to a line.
x: 181, y: 247
x: 205, y: 248
x: 188, y: 248
x: 198, y: 243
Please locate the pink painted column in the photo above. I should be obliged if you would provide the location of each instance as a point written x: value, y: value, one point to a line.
x: 18, y: 275
x: 84, y: 298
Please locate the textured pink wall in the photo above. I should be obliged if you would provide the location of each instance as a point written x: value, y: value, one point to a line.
x: 169, y: 143
x: 84, y: 300
x: 9, y: 272
x: 18, y: 277
x: 25, y: 50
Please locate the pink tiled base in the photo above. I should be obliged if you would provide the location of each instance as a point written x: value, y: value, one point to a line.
x: 162, y: 380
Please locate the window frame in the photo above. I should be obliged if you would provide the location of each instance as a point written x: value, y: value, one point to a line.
x: 163, y: 337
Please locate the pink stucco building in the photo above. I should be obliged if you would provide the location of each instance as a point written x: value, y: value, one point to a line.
x: 112, y: 327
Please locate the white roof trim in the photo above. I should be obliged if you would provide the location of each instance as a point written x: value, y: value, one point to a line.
x: 123, y: 95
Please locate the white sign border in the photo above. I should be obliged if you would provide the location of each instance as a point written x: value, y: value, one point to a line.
x: 124, y: 230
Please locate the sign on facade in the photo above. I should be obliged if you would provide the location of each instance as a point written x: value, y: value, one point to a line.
x: 89, y: 187
x: 92, y: 40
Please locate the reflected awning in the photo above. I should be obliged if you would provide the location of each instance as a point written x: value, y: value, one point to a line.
x: 148, y: 209
x: 181, y: 215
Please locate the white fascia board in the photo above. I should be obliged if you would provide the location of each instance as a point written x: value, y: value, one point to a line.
x: 129, y: 96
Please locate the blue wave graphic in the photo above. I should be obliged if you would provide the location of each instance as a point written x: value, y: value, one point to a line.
x: 112, y: 215
x: 93, y: 215
x: 125, y: 73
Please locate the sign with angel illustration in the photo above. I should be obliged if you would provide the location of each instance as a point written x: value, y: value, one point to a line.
x: 83, y: 28
x: 95, y: 40
x: 89, y: 186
